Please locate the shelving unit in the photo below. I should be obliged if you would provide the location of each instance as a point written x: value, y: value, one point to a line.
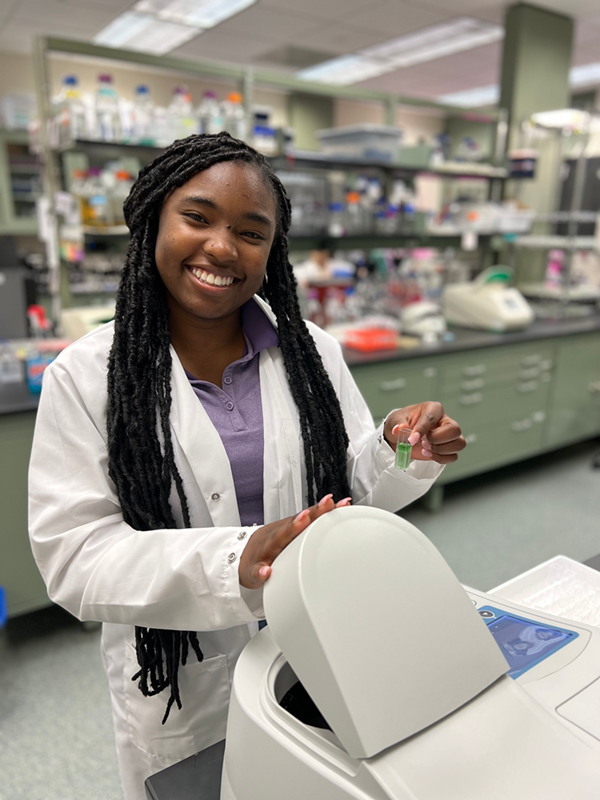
x: 247, y: 79
x: 20, y: 185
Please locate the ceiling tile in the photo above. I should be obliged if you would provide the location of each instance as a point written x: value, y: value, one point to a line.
x: 276, y: 26
x: 56, y: 13
x: 216, y: 44
x: 395, y: 18
x: 342, y: 39
x: 335, y: 10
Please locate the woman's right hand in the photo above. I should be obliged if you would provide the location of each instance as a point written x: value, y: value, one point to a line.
x: 267, y: 542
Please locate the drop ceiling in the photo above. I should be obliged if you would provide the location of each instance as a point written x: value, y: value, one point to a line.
x: 289, y: 34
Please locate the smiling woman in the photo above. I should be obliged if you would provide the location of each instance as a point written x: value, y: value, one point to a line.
x: 181, y: 448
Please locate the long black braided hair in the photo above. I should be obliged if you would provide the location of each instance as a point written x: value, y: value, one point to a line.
x: 140, y: 450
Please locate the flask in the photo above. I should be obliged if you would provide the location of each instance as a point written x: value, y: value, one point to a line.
x: 180, y: 114
x: 70, y: 111
x: 209, y: 117
x: 107, y: 110
x: 234, y: 116
x: 95, y: 200
x: 143, y: 116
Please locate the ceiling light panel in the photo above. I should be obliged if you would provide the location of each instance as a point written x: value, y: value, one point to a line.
x: 344, y: 70
x: 197, y: 13
x: 584, y: 74
x: 144, y: 33
x: 436, y: 41
x: 469, y: 98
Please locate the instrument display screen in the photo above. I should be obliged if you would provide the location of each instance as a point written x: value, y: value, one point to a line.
x: 524, y: 642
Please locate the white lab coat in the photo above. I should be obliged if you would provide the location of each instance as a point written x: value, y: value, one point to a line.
x: 99, y: 568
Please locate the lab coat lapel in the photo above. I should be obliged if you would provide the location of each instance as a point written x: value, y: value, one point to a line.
x: 282, y: 473
x: 203, y: 448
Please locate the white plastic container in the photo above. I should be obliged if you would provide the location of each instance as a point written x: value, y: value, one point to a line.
x: 142, y: 113
x: 209, y: 116
x: 370, y: 142
x: 180, y: 114
x: 108, y: 124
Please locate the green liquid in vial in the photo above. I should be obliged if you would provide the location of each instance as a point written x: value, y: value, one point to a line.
x: 403, y: 451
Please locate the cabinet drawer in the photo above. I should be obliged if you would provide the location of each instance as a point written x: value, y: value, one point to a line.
x: 491, y: 447
x: 490, y: 406
x: 489, y: 368
x: 389, y: 386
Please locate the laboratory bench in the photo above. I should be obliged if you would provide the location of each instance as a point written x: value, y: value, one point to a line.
x: 515, y: 395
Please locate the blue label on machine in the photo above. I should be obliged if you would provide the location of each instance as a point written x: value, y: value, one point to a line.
x: 524, y: 642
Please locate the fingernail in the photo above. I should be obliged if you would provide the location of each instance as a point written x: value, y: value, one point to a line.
x: 426, y: 453
x: 414, y: 437
x: 396, y: 430
x: 263, y: 572
x: 324, y: 500
x: 302, y: 515
x: 345, y: 502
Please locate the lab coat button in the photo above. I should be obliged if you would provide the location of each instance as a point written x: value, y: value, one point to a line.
x: 231, y: 558
x: 228, y: 379
x: 229, y: 406
x: 241, y: 535
x: 215, y: 496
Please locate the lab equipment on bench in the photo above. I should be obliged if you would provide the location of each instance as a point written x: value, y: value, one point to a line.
x: 379, y: 676
x: 423, y: 318
x: 76, y: 322
x: 487, y: 303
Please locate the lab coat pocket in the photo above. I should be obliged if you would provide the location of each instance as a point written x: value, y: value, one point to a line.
x: 204, y: 690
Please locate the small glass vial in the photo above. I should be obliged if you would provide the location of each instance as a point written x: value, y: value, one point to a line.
x: 403, y: 449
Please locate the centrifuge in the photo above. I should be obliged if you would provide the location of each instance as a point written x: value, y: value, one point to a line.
x: 380, y: 677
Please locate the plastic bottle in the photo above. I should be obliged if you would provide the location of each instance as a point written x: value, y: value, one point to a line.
x: 335, y: 226
x: 234, y: 116
x: 96, y: 203
x: 107, y: 110
x: 209, y: 117
x: 70, y: 111
x: 119, y: 195
x: 143, y: 116
x: 180, y: 114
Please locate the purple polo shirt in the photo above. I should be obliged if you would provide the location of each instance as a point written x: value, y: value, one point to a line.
x: 236, y: 412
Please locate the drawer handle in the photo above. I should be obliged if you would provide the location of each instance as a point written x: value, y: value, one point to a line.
x: 476, y: 369
x: 471, y: 438
x: 594, y: 387
x: 538, y: 416
x: 529, y: 361
x: 522, y: 425
x: 430, y: 372
x: 547, y: 364
x: 531, y: 386
x: 528, y: 374
x: 391, y: 386
x: 471, y: 399
x: 476, y: 383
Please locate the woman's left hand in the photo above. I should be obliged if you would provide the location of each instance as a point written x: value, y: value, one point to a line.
x: 435, y: 436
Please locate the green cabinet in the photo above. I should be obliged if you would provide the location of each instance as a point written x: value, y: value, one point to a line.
x: 511, y: 401
x: 19, y: 575
x: 575, y: 407
x: 395, y: 384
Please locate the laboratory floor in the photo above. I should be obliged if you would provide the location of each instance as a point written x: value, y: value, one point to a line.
x: 56, y: 740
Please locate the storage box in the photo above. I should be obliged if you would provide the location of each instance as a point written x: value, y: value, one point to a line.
x: 371, y: 142
x: 368, y: 340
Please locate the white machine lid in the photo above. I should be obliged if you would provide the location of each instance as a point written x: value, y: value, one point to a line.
x: 377, y: 628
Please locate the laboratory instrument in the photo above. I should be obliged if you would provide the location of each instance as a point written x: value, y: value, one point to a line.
x: 487, y: 303
x: 380, y: 676
x: 423, y: 318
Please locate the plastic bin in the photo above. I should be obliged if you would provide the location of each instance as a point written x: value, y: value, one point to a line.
x: 368, y: 340
x: 370, y: 142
